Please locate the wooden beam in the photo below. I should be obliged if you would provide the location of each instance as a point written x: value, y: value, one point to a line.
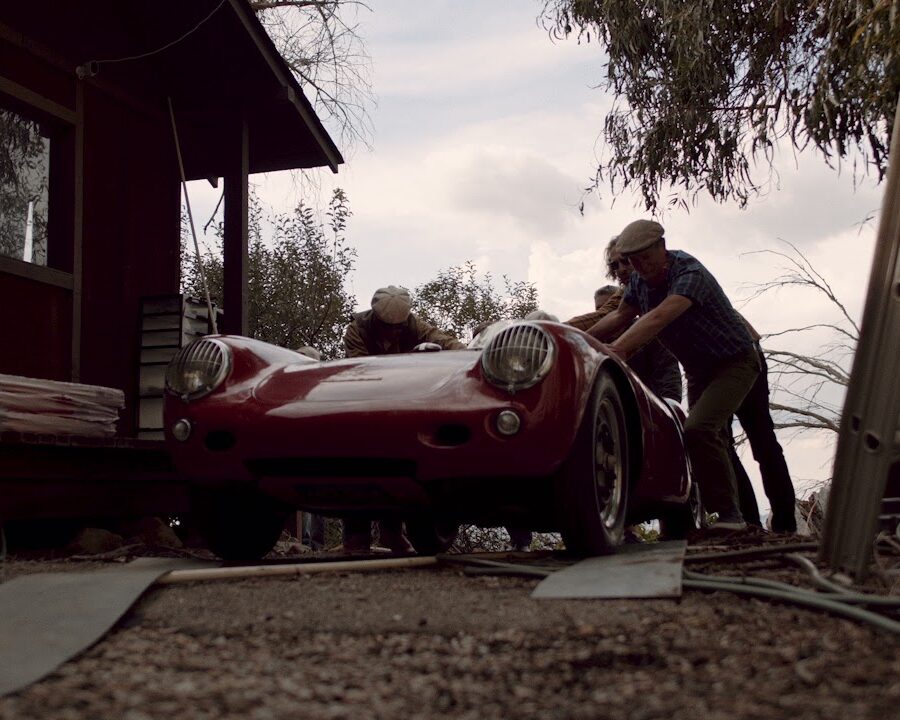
x: 283, y: 74
x: 78, y: 232
x: 235, y: 242
x: 36, y: 100
x: 38, y: 273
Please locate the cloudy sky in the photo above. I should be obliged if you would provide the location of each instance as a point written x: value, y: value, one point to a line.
x: 486, y: 133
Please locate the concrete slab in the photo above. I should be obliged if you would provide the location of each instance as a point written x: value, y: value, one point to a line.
x: 48, y: 618
x: 645, y: 570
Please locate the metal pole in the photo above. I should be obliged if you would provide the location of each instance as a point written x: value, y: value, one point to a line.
x: 868, y: 443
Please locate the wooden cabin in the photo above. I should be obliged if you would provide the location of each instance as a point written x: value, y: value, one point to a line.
x: 90, y: 184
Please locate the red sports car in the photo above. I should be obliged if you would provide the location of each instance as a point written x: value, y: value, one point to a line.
x: 534, y: 426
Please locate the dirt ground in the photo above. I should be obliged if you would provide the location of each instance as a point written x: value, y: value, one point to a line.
x: 429, y: 643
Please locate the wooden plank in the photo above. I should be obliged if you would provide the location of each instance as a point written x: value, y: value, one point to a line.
x: 78, y: 232
x: 20, y: 92
x: 38, y: 273
x: 235, y: 241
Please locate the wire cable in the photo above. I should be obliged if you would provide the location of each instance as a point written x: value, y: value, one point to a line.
x: 187, y: 202
x: 82, y: 72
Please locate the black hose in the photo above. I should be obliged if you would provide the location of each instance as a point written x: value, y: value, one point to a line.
x: 751, y: 553
x: 850, y: 598
x: 798, y: 597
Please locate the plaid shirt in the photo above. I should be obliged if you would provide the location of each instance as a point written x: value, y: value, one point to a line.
x: 710, y: 331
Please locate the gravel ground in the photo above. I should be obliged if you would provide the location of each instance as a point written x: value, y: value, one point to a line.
x: 430, y: 643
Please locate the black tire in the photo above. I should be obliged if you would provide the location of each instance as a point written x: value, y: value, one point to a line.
x: 239, y: 526
x: 429, y: 536
x: 593, y: 483
x: 679, y: 521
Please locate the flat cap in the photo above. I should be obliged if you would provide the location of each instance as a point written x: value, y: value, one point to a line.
x: 638, y: 235
x: 391, y: 304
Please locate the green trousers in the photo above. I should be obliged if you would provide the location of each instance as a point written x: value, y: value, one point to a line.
x: 713, y: 400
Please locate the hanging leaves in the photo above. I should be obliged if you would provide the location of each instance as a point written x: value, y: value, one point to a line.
x: 704, y: 89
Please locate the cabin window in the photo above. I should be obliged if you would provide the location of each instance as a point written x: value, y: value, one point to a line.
x: 25, y: 147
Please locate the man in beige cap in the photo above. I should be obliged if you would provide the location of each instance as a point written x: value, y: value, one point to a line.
x: 677, y: 300
x: 387, y: 329
x: 653, y: 364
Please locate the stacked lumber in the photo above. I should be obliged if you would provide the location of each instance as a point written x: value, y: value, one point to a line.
x: 32, y: 405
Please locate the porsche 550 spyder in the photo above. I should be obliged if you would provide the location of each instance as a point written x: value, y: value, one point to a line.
x: 535, y: 426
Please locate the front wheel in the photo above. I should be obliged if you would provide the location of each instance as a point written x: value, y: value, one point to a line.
x: 593, y: 483
x: 429, y: 536
x: 239, y: 525
x: 679, y: 521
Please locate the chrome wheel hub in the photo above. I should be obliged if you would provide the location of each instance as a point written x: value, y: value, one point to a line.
x: 609, y: 470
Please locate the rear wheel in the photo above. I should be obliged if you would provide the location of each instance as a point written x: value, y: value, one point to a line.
x: 593, y: 484
x: 239, y: 525
x: 429, y: 536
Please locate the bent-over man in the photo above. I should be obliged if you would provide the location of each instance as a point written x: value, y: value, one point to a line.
x: 676, y: 299
x: 388, y: 328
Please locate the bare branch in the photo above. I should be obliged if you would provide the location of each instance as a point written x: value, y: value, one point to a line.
x: 821, y: 422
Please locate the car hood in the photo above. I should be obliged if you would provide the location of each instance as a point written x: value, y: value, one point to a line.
x: 414, y: 375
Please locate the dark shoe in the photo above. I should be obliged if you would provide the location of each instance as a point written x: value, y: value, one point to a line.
x: 357, y: 535
x: 391, y: 536
x: 356, y: 545
x: 784, y: 523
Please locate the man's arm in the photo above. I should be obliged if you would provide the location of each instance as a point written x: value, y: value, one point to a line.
x: 353, y: 342
x: 614, y: 322
x: 649, y: 325
x: 429, y: 333
x: 588, y: 320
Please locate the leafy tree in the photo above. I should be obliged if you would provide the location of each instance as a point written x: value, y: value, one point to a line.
x: 320, y: 41
x: 296, y: 277
x: 457, y: 300
x: 705, y: 89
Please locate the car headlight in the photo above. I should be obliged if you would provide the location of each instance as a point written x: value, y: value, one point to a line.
x: 198, y: 368
x: 518, y: 357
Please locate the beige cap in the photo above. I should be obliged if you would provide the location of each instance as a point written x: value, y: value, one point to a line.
x: 391, y: 304
x: 638, y: 236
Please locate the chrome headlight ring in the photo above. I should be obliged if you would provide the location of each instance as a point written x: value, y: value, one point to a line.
x: 198, y: 369
x: 518, y: 357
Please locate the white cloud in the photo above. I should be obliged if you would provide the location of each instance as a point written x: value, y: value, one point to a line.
x: 485, y: 140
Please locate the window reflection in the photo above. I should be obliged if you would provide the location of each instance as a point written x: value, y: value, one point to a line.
x: 24, y: 188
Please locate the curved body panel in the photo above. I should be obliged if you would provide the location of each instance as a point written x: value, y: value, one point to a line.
x: 405, y: 433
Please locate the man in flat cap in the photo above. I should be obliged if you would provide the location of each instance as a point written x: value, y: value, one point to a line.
x: 676, y: 299
x: 653, y: 364
x: 387, y: 329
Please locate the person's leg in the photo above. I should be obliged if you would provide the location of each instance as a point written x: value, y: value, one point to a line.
x: 519, y: 539
x: 746, y: 495
x: 756, y: 419
x: 314, y: 530
x: 357, y: 534
x: 391, y: 535
x: 718, y: 399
